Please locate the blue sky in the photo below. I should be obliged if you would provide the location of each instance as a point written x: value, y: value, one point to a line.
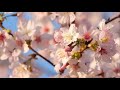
x: 11, y: 23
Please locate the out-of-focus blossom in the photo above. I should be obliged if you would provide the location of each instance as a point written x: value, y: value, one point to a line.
x: 20, y: 71
x: 26, y: 31
x: 40, y: 40
x: 63, y: 17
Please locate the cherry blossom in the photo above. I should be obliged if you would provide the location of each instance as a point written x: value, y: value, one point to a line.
x: 64, y: 17
x: 40, y: 40
x: 70, y: 35
x: 3, y: 37
x: 20, y: 72
x: 26, y: 31
x: 20, y: 42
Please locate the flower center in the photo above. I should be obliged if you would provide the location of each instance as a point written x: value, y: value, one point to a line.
x: 87, y: 36
x: 46, y: 29
x: 60, y: 53
x: 19, y: 43
x: 38, y: 39
x: 105, y: 39
x: 103, y: 51
x: 2, y: 37
x: 117, y: 70
x: 68, y: 37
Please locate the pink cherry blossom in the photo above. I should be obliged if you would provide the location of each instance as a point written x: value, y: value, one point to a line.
x: 58, y: 36
x: 40, y: 40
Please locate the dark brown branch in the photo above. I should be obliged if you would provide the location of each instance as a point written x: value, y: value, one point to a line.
x: 41, y: 56
x: 112, y: 19
x: 1, y: 25
x: 15, y: 14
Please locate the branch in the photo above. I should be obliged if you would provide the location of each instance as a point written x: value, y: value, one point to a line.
x: 1, y: 25
x: 64, y: 66
x: 41, y: 56
x: 112, y: 19
x: 62, y: 69
x: 15, y: 14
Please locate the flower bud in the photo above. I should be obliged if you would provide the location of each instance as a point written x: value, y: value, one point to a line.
x: 68, y: 49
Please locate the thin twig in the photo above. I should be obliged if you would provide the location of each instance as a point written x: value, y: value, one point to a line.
x: 1, y: 25
x: 41, y: 56
x: 112, y: 19
x: 15, y: 14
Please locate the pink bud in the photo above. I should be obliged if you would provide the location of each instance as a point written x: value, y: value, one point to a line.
x: 68, y: 49
x: 63, y: 67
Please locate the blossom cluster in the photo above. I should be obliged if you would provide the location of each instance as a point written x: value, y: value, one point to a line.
x: 83, y: 52
x: 84, y: 46
x: 14, y: 45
